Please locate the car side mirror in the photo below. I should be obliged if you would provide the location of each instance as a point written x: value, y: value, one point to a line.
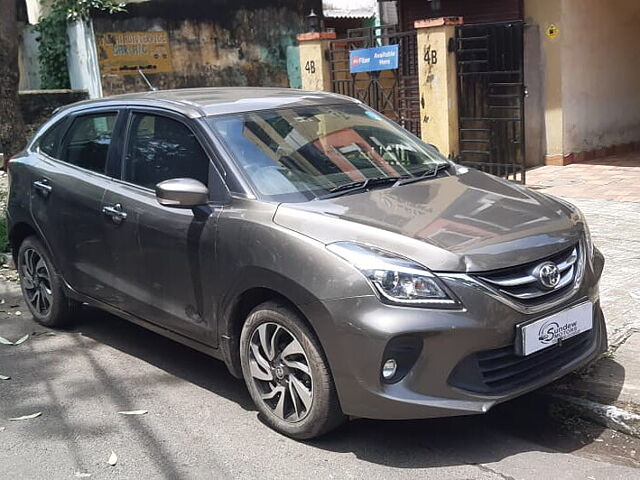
x: 182, y: 193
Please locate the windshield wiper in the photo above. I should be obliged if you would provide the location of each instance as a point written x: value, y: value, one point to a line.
x: 429, y: 173
x: 350, y: 187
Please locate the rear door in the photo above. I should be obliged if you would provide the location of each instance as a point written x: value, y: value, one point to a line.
x: 165, y: 255
x: 66, y: 199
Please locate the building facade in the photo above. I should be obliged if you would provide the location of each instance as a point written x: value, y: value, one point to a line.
x: 547, y: 81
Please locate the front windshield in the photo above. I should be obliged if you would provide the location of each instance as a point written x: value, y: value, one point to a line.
x: 299, y: 154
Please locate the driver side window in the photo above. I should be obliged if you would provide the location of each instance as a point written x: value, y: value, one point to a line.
x: 161, y: 148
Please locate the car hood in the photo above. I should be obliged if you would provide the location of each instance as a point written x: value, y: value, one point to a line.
x: 465, y: 222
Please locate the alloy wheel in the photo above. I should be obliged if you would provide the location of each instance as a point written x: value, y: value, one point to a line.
x: 36, y: 281
x: 281, y: 372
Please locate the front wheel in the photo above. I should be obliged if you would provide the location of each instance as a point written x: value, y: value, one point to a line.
x: 286, y: 373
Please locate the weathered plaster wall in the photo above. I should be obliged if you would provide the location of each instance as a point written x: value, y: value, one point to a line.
x: 242, y: 43
x: 28, y: 61
x: 590, y: 74
x: 601, y: 73
x: 38, y: 105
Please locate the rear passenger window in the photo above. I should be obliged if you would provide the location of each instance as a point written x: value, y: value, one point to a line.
x: 50, y: 140
x: 87, y: 143
x: 161, y: 148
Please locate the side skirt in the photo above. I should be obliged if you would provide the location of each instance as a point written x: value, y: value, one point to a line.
x: 189, y: 342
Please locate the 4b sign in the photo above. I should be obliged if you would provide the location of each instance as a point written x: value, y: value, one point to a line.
x: 373, y: 59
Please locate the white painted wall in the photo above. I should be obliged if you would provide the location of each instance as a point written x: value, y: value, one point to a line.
x: 82, y: 59
x: 600, y: 73
x: 28, y: 60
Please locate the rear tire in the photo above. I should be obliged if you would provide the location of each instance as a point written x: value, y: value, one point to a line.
x: 42, y: 286
x: 287, y: 374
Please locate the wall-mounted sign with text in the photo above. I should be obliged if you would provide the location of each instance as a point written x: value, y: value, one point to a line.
x: 373, y: 59
x: 124, y: 53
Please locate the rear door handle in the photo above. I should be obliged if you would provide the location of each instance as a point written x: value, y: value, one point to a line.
x: 115, y: 213
x: 43, y: 187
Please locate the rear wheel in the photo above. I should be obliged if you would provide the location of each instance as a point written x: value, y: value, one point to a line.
x: 286, y: 373
x: 42, y: 287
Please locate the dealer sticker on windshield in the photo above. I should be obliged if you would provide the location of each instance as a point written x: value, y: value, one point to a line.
x: 550, y: 330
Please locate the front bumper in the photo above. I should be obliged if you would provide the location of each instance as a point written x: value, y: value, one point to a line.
x: 356, y: 331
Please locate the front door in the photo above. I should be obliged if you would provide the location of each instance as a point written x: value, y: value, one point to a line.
x: 165, y: 255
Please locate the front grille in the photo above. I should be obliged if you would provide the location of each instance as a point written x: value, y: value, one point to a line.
x: 520, y: 283
x: 501, y: 370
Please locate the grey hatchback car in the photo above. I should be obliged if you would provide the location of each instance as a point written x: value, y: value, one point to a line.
x: 340, y: 265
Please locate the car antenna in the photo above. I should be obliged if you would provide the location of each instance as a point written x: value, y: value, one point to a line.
x: 146, y: 80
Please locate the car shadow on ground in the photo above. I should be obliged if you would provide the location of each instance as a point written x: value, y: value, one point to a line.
x: 168, y: 355
x: 534, y: 422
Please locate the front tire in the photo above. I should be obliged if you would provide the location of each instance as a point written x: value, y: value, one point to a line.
x: 286, y: 373
x: 42, y: 286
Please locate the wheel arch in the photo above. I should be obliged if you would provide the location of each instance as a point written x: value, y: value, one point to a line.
x: 265, y: 286
x: 17, y: 234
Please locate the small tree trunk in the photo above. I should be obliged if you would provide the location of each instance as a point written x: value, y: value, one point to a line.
x: 12, y: 131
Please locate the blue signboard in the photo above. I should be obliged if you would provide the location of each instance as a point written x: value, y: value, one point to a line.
x: 373, y: 59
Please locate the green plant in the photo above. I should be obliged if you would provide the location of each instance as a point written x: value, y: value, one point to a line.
x: 53, y: 43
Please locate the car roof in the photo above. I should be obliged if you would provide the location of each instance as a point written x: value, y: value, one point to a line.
x: 203, y: 102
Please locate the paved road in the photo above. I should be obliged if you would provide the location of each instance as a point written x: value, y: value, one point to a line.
x: 201, y: 423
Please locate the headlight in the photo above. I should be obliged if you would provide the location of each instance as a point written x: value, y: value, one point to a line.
x: 396, y: 279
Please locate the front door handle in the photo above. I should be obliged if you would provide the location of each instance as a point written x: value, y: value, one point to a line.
x: 43, y: 187
x: 115, y: 212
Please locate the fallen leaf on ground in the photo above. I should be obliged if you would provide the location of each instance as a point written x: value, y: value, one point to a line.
x: 27, y: 417
x: 113, y: 459
x: 4, y: 341
x: 41, y: 334
x: 4, y: 377
x: 21, y: 340
x: 133, y: 412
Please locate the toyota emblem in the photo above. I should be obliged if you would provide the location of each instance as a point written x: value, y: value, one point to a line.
x: 548, y: 275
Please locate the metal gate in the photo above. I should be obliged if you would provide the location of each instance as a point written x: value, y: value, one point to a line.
x: 393, y: 93
x: 491, y: 98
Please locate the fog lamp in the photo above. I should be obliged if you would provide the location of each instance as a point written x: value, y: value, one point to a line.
x: 389, y: 369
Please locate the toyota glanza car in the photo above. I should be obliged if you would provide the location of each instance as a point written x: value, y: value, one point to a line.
x: 339, y: 264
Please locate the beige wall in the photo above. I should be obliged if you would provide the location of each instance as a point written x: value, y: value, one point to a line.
x: 438, y: 88
x: 600, y: 73
x: 314, y: 67
x: 590, y: 73
x: 544, y: 13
